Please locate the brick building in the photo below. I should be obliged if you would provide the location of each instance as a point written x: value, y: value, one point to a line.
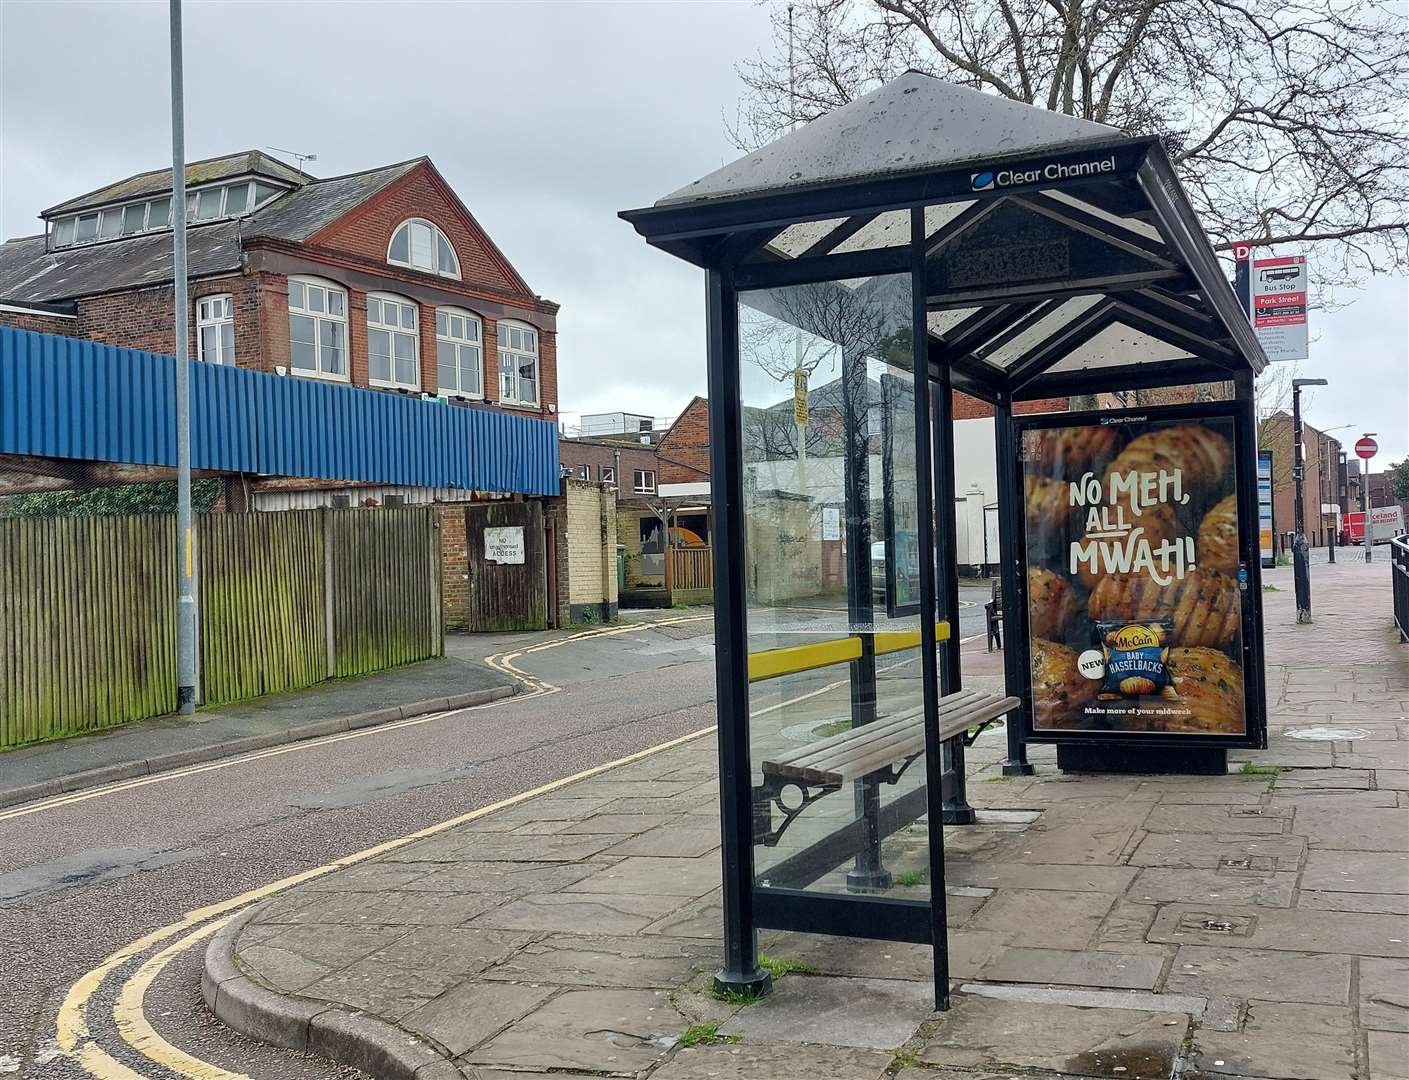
x: 1325, y: 489
x: 380, y: 279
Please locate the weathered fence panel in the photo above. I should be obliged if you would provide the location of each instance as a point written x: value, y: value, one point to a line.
x: 384, y: 576
x: 261, y: 604
x: 88, y: 630
x: 88, y: 623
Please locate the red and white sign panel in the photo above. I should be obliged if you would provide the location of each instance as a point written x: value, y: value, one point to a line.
x: 1367, y: 448
x: 1278, y: 306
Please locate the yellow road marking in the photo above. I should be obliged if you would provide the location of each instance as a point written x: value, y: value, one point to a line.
x: 138, y: 1032
x: 71, y: 1025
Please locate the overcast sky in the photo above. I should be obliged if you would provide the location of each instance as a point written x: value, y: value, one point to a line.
x: 547, y: 118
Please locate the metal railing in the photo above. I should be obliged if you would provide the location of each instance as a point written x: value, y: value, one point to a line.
x: 1399, y: 568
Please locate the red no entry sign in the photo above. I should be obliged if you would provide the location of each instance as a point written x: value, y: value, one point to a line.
x: 1367, y: 448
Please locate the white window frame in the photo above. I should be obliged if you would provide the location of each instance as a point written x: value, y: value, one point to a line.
x: 607, y: 474
x: 216, y: 311
x: 459, y: 345
x: 646, y: 486
x: 393, y: 331
x: 510, y: 360
x: 584, y: 472
x: 320, y: 317
x: 119, y: 210
x: 437, y: 235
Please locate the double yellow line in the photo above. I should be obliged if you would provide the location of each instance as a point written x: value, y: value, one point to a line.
x: 72, y: 1031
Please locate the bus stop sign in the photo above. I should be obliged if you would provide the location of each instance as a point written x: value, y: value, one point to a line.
x: 1367, y: 448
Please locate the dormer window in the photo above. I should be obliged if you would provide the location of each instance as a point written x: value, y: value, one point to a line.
x: 152, y: 215
x: 421, y: 246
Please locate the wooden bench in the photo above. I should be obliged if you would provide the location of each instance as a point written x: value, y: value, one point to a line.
x: 882, y: 750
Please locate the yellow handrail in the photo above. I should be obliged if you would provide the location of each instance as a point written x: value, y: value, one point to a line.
x: 790, y: 659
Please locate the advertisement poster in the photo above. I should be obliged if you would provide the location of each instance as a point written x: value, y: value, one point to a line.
x: 1134, y: 602
x: 1264, y: 509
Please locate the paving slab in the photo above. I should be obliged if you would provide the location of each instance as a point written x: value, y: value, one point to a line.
x: 878, y: 1014
x: 1357, y: 872
x: 607, y: 1030
x: 1203, y: 851
x: 985, y: 1032
x: 579, y: 913
x: 1389, y: 1055
x: 502, y: 878
x: 1358, y: 829
x: 1281, y: 1041
x: 469, y: 1013
x: 1105, y: 969
x: 1163, y: 885
x: 1291, y: 930
x: 1312, y: 978
x: 636, y: 961
x: 671, y: 841
x: 1369, y: 903
x: 1038, y: 917
x: 662, y: 876
x: 1384, y: 994
x: 1102, y: 879
x: 1191, y: 818
x: 778, y: 1062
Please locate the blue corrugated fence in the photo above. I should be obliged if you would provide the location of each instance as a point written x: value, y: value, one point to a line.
x: 65, y: 398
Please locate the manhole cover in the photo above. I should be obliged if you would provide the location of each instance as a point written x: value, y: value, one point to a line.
x: 1328, y: 734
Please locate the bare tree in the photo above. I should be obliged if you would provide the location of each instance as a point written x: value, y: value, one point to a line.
x: 1285, y: 118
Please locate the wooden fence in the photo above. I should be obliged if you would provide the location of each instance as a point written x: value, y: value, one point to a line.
x: 87, y: 610
x: 691, y: 568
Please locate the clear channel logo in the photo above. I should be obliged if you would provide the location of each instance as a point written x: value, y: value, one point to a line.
x: 989, y: 179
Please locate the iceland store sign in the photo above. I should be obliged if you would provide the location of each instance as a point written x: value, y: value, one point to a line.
x: 989, y: 180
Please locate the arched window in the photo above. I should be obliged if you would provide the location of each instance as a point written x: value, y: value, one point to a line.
x: 518, y: 363
x: 317, y: 329
x: 421, y: 246
x: 459, y: 353
x: 393, y: 341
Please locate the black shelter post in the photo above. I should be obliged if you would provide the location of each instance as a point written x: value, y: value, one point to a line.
x: 741, y: 973
x: 1250, y: 564
x: 929, y: 668
x: 1014, y: 580
x: 957, y: 810
x: 869, y: 873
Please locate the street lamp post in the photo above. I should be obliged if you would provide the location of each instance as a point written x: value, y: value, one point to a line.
x: 1301, y: 565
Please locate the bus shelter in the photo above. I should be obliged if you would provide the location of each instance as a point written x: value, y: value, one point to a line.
x: 922, y: 240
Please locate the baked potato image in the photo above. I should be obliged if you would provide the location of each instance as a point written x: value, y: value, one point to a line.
x: 1212, y: 686
x: 1203, y: 457
x: 1051, y: 603
x: 1159, y: 522
x: 1217, y: 545
x: 1204, y: 604
x: 1048, y: 516
x: 1067, y: 453
x: 1059, y: 690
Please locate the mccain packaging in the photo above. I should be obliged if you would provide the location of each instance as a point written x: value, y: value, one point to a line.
x: 1134, y: 608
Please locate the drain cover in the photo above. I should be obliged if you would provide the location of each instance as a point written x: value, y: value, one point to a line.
x: 1328, y: 734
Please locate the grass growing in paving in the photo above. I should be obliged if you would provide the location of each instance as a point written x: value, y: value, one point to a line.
x: 1251, y: 768
x: 778, y: 966
x: 910, y: 878
x: 836, y: 727
x: 705, y: 1035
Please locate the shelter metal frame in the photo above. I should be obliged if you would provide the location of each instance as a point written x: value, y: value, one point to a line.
x: 1110, y: 285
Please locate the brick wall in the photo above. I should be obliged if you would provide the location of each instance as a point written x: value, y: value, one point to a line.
x: 41, y: 324
x: 591, y: 549
x: 683, y: 451
x: 454, y: 567
x: 575, y: 452
x: 971, y: 408
x: 144, y: 318
x: 421, y: 193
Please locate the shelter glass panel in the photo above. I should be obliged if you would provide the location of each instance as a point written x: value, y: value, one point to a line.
x: 831, y: 574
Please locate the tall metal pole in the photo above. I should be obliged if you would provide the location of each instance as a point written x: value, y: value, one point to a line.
x: 1369, y: 530
x: 186, y: 557
x: 1301, y: 566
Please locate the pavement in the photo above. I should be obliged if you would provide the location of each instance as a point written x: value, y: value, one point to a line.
x: 1251, y: 925
x: 170, y: 742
